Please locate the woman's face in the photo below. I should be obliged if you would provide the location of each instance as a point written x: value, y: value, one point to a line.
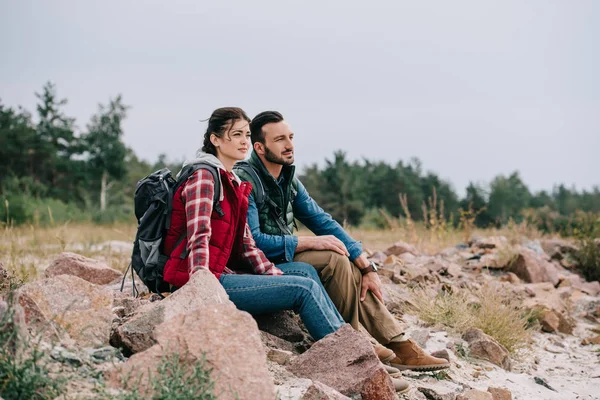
x: 235, y: 143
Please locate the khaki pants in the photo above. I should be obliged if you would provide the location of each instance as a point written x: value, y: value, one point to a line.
x: 342, y: 279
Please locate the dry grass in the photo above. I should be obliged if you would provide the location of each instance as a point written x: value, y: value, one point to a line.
x: 488, y: 309
x: 27, y: 250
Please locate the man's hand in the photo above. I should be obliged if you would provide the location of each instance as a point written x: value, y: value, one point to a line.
x: 371, y: 282
x: 327, y: 242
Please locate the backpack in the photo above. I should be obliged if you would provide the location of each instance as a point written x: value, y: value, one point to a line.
x: 153, y: 204
x: 260, y: 198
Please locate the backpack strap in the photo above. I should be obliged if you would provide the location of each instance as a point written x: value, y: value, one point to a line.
x: 188, y: 170
x: 245, y: 166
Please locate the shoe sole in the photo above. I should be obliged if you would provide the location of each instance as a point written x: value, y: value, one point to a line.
x: 388, y: 359
x: 433, y: 367
x: 404, y: 391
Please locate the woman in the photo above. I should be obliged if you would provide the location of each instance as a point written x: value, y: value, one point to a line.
x: 220, y: 240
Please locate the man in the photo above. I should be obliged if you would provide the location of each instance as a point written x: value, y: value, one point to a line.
x: 349, y: 278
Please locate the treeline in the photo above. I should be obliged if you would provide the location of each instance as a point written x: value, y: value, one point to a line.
x: 370, y: 193
x: 52, y: 171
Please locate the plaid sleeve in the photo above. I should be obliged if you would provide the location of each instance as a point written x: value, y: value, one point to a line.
x: 257, y: 259
x: 198, y: 198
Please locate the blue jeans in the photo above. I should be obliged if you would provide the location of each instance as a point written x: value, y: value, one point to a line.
x: 299, y: 289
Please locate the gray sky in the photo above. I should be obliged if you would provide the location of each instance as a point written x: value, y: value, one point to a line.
x: 472, y: 88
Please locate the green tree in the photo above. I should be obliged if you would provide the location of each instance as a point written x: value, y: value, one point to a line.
x: 476, y: 199
x: 56, y: 144
x: 105, y: 149
x: 508, y: 197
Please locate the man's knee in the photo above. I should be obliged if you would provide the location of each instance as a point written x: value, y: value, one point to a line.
x: 343, y: 270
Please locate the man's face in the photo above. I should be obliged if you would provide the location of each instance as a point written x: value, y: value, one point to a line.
x: 278, y: 147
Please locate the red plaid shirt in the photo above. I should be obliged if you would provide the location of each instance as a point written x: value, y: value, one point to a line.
x: 198, y: 198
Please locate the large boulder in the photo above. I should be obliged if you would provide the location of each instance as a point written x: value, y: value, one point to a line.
x: 137, y: 333
x: 229, y: 341
x: 558, y: 248
x: 487, y: 348
x: 68, y: 305
x: 345, y: 361
x: 305, y: 389
x: 88, y: 269
x: 534, y: 268
x: 283, y: 324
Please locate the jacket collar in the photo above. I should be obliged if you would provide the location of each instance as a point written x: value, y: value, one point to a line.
x: 287, y: 171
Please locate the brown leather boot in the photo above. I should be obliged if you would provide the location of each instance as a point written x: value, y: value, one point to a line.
x: 400, y: 385
x: 410, y: 356
x: 385, y: 355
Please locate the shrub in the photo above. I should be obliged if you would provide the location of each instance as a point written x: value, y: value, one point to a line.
x: 488, y: 309
x: 23, y: 365
x: 175, y: 379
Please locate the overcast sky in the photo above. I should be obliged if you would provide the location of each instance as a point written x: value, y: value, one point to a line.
x: 472, y: 88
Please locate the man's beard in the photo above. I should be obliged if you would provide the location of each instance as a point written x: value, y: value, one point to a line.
x: 275, y: 159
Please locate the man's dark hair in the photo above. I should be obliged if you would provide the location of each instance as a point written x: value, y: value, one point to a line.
x: 217, y: 123
x: 263, y: 118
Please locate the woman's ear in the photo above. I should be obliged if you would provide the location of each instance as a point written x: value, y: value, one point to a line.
x: 214, y: 140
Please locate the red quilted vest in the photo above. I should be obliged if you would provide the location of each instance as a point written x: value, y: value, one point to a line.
x: 227, y: 232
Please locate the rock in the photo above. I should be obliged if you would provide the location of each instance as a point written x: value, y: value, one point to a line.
x: 416, y: 273
x: 443, y: 267
x: 549, y: 321
x: 489, y: 261
x: 421, y: 336
x: 545, y: 295
x: 557, y: 248
x: 533, y: 268
x: 281, y: 357
x: 491, y: 242
x: 306, y: 389
x: 345, y: 361
x: 591, y: 340
x: 397, y: 298
x: 487, y: 348
x: 437, y: 393
x: 137, y: 334
x: 229, y: 340
x: 378, y: 257
x: 535, y: 246
x: 282, y: 324
x: 85, y: 268
x: 104, y: 354
x: 475, y: 394
x: 441, y: 354
x: 500, y: 393
x: 591, y: 288
x: 400, y: 248
x: 67, y: 304
x: 65, y: 356
x: 127, y: 306
x: 512, y: 278
x: 273, y: 342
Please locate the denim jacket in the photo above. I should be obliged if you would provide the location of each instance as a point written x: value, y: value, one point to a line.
x: 281, y: 248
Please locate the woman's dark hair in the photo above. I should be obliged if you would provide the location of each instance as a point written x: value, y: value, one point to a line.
x: 261, y: 119
x: 218, y: 122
